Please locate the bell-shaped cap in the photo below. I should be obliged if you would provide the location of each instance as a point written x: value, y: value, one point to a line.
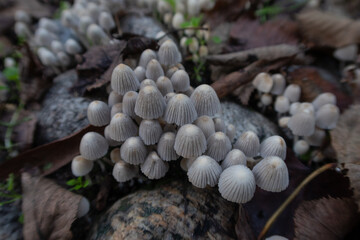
x: 294, y: 107
x: 204, y: 171
x: 219, y: 124
x: 301, y: 147
x: 128, y: 103
x: 164, y: 85
x: 106, y: 21
x: 218, y: 146
x: 206, y: 124
x: 302, y: 123
x: 72, y: 46
x: 180, y: 110
x: 283, y: 122
x: 150, y: 104
x: 133, y: 151
x: 234, y: 157
x: 123, y: 171
x: 324, y: 98
x: 122, y: 127
x: 123, y: 79
x: 180, y: 81
x: 279, y: 84
x: 231, y: 132
x: 266, y: 99
x: 154, y: 70
x: 93, y: 146
x: 150, y: 131
x: 282, y: 104
x: 316, y: 139
x: 263, y: 82
x: 292, y: 92
x: 169, y: 53
x: 154, y: 167
x: 271, y: 174
x: 168, y: 96
x: 237, y: 184
x: 140, y: 73
x: 146, y: 56
x: 116, y: 108
x: 171, y: 71
x: 147, y: 82
x: 189, y: 91
x: 273, y: 146
x: 190, y: 141
x: 327, y: 116
x: 248, y: 143
x: 98, y: 113
x: 165, y: 147
x: 81, y: 166
x: 205, y: 100
x: 110, y: 141
x: 114, y: 98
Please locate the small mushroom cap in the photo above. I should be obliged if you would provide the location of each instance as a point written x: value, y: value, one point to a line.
x: 302, y: 124
x: 301, y: 147
x: 140, y: 73
x: 248, y: 143
x: 276, y: 237
x: 98, y: 113
x: 114, y: 98
x: 283, y: 122
x: 150, y: 104
x: 271, y: 174
x: 169, y: 53
x: 180, y: 110
x: 106, y: 21
x: 306, y: 107
x: 154, y: 70
x: 263, y: 82
x: 206, y: 124
x: 165, y: 147
x: 171, y: 71
x: 266, y: 99
x: 133, y: 151
x: 234, y: 157
x: 93, y: 146
x: 115, y: 155
x: 147, y: 82
x: 316, y: 139
x: 346, y: 53
x: 96, y: 34
x: 294, y: 107
x: 122, y: 127
x: 110, y: 141
x: 72, y: 46
x: 84, y: 207
x: 219, y: 125
x: 116, y: 108
x: 81, y: 166
x: 128, y: 103
x: 168, y: 96
x: 190, y: 141
x: 282, y: 104
x: 150, y: 131
x: 231, y: 132
x: 204, y: 171
x: 57, y: 46
x: 292, y: 92
x: 123, y: 79
x: 273, y: 146
x: 218, y: 146
x: 180, y: 81
x: 189, y: 91
x: 22, y: 16
x: 205, y: 100
x: 178, y: 19
x: 123, y: 171
x: 154, y: 167
x: 322, y: 99
x: 327, y: 116
x: 164, y: 85
x: 279, y: 84
x: 237, y: 184
x: 146, y: 56
x: 186, y: 163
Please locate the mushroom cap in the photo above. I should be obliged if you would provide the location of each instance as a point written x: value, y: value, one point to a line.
x: 306, y: 107
x: 133, y: 151
x: 234, y: 157
x: 165, y: 147
x: 150, y: 104
x: 294, y: 107
x: 186, y: 163
x: 147, y: 82
x: 301, y: 147
x: 219, y: 124
x: 154, y: 70
x: 81, y: 166
x: 96, y: 34
x: 140, y: 73
x: 146, y: 56
x: 180, y: 81
x: 282, y: 104
x: 168, y: 96
x: 123, y: 79
x: 178, y: 19
x: 283, y: 122
x: 190, y: 141
x: 204, y: 171
x: 122, y: 127
x: 266, y: 99
x: 106, y: 21
x: 57, y: 46
x: 22, y: 16
x: 180, y: 110
x: 279, y: 84
x: 292, y: 92
x: 169, y: 53
x: 322, y: 99
x: 114, y: 98
x: 316, y: 139
x: 271, y: 174
x: 273, y: 146
x: 115, y: 155
x: 164, y: 85
x: 327, y: 116
x: 154, y: 167
x: 231, y: 132
x: 263, y: 82
x: 189, y: 91
x: 84, y: 207
x: 206, y: 124
x: 171, y: 71
x: 205, y: 100
x: 116, y: 108
x: 123, y: 171
x: 150, y: 131
x: 248, y: 143
x: 93, y: 146
x: 276, y: 237
x: 302, y: 123
x: 237, y: 184
x: 72, y: 46
x: 110, y: 141
x: 218, y: 146
x: 128, y: 103
x: 98, y: 113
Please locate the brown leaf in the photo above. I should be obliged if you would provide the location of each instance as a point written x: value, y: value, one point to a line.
x: 243, y: 93
x: 242, y: 228
x: 325, y: 218
x: 49, y: 210
x: 225, y: 11
x: 327, y: 29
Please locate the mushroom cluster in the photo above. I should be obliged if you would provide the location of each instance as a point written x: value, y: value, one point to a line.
x: 307, y: 121
x: 154, y: 117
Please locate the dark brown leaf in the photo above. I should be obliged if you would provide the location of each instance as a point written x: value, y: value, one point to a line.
x: 243, y: 93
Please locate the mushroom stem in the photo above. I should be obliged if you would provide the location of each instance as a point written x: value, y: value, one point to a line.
x: 292, y: 196
x: 101, y: 164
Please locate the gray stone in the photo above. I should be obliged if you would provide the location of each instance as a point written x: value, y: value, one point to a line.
x: 11, y: 228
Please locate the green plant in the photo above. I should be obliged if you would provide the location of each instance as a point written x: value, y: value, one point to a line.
x: 199, y: 69
x: 172, y: 4
x: 216, y: 39
x: 63, y: 5
x: 7, y: 190
x: 78, y: 183
x: 193, y: 22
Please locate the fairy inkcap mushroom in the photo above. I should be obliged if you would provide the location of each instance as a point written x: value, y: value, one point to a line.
x: 150, y: 104
x: 234, y: 157
x: 294, y: 107
x: 178, y: 19
x: 164, y: 85
x: 154, y: 167
x: 123, y: 79
x: 231, y: 132
x: 147, y: 82
x: 123, y: 171
x: 96, y: 34
x: 271, y: 174
x: 237, y: 184
x: 168, y: 96
x: 133, y: 151
x: 22, y: 30
x: 93, y: 146
x: 72, y: 46
x: 22, y: 16
x: 180, y: 81
x: 266, y: 99
x: 47, y: 57
x: 273, y: 146
x: 169, y: 53
x: 279, y: 84
x: 263, y: 82
x: 84, y: 23
x: 146, y: 56
x: 171, y: 71
x: 327, y: 116
x: 302, y: 123
x: 154, y: 70
x: 301, y: 147
x: 283, y: 122
x: 165, y: 147
x: 180, y: 110
x: 116, y: 108
x: 190, y: 141
x: 81, y: 166
x: 204, y: 171
x: 84, y: 207
x: 189, y: 91
x: 322, y: 99
x: 114, y: 98
x: 106, y: 21
x: 205, y: 100
x: 128, y: 103
x: 98, y: 113
x: 292, y: 92
x: 218, y: 145
x: 57, y: 46
x: 282, y: 104
x: 186, y: 163
x: 140, y: 73
x: 110, y: 141
x: 248, y: 143
x: 150, y: 131
x: 206, y: 124
x: 122, y: 127
x: 316, y: 139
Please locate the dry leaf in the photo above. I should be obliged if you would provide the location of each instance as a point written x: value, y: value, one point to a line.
x: 325, y: 218
x: 242, y: 228
x: 225, y: 11
x: 326, y: 29
x: 243, y: 93
x: 49, y: 210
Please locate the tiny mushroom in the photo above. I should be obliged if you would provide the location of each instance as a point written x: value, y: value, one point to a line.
x: 165, y: 147
x: 292, y: 92
x: 218, y: 146
x: 234, y: 157
x: 180, y: 81
x: 206, y: 124
x: 180, y: 110
x: 123, y: 79
x: 248, y: 143
x: 123, y: 171
x: 263, y: 82
x: 133, y: 151
x: 273, y: 146
x: 190, y: 141
x: 204, y: 171
x: 122, y: 127
x: 150, y: 131
x: 98, y: 113
x: 154, y: 167
x: 150, y: 104
x: 81, y: 166
x: 154, y: 70
x: 205, y: 100
x: 93, y: 146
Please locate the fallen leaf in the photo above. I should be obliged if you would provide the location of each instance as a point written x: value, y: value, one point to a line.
x: 24, y: 132
x: 327, y: 218
x: 225, y: 11
x: 49, y: 210
x: 243, y: 93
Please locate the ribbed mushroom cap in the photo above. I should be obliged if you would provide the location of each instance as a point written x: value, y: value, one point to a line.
x: 180, y: 81
x: 96, y: 34
x: 273, y: 146
x: 122, y: 127
x: 306, y: 107
x: 282, y: 104
x: 123, y: 79
x: 154, y: 70
x: 106, y: 21
x: 301, y: 147
x: 324, y: 98
x: 168, y: 96
x: 283, y: 122
x: 165, y: 147
x: 133, y: 151
x: 171, y: 71
x: 189, y: 91
x: 140, y: 73
x: 72, y: 46
x: 150, y: 104
x: 234, y: 157
x: 114, y: 98
x: 93, y: 146
x: 218, y: 145
x: 150, y: 131
x: 248, y: 143
x: 186, y: 163
x: 271, y: 174
x: 302, y: 124
x: 180, y: 110
x: 317, y: 139
x: 146, y: 56
x: 190, y: 141
x: 279, y: 84
x: 292, y: 92
x: 154, y: 167
x: 206, y: 124
x: 263, y: 82
x: 237, y: 184
x: 266, y: 99
x: 169, y: 53
x: 327, y: 116
x: 219, y: 125
x: 81, y: 166
x: 276, y: 237
x: 123, y: 171
x: 205, y: 100
x: 128, y: 103
x: 294, y: 107
x: 231, y: 132
x: 116, y: 108
x: 164, y: 85
x: 204, y: 171
x: 147, y: 82
x: 110, y: 141
x: 98, y: 113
